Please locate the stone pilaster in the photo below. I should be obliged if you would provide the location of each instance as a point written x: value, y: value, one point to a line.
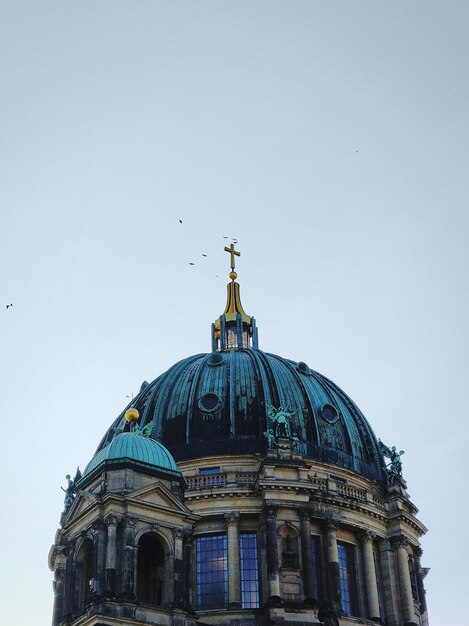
x: 59, y: 596
x: 418, y: 570
x: 129, y: 551
x: 187, y: 562
x: 306, y: 553
x: 371, y: 584
x: 111, y: 522
x: 273, y: 579
x: 333, y: 567
x: 234, y: 566
x: 99, y: 570
x: 178, y: 594
x: 400, y: 544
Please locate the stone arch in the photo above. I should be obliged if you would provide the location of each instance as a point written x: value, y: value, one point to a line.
x: 153, y: 570
x: 85, y: 577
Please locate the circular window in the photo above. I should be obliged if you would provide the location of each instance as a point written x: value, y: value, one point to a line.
x: 303, y: 367
x: 209, y: 402
x: 215, y: 359
x: 329, y: 413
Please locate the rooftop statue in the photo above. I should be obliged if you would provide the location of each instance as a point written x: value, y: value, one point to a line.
x: 279, y: 426
x: 70, y: 491
x: 394, y: 468
x: 146, y: 430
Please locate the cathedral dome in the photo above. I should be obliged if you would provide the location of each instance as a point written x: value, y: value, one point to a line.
x: 133, y: 449
x: 238, y: 399
x: 223, y: 403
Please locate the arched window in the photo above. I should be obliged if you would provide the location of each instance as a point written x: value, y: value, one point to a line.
x: 84, y: 575
x: 150, y: 570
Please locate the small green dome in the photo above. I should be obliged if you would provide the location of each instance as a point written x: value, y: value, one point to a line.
x: 136, y: 450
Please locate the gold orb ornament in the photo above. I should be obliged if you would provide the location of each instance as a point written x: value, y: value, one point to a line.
x: 233, y: 275
x: 132, y: 415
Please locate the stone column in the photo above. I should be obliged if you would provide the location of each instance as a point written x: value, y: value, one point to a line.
x: 234, y: 567
x: 178, y: 595
x: 273, y: 578
x: 100, y: 558
x: 58, y: 584
x: 187, y: 578
x: 306, y: 556
x: 129, y: 550
x: 407, y: 601
x: 418, y: 571
x: 110, y: 579
x: 371, y: 584
x: 333, y: 567
x: 168, y: 597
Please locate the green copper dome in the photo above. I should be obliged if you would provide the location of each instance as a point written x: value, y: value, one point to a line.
x: 219, y: 403
x: 228, y: 402
x: 134, y: 449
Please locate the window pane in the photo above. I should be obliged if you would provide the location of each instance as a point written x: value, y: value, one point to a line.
x: 316, y: 558
x: 249, y: 571
x: 347, y: 579
x: 212, y: 572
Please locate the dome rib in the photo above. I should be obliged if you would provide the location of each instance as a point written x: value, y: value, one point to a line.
x: 246, y: 381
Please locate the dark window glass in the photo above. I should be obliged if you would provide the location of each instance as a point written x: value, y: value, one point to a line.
x: 249, y: 571
x: 206, y: 471
x: 212, y: 572
x: 348, y: 593
x: 150, y: 570
x: 316, y: 558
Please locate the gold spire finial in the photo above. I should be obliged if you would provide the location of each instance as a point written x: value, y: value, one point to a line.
x: 233, y: 253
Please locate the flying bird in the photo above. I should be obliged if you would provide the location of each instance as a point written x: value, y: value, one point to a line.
x: 191, y: 263
x: 8, y: 305
x: 180, y: 221
x: 204, y: 255
x: 235, y: 241
x: 225, y: 237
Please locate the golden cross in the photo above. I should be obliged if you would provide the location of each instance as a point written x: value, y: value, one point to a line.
x: 232, y: 252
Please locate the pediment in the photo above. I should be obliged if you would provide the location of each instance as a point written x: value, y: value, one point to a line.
x: 157, y: 495
x: 83, y: 502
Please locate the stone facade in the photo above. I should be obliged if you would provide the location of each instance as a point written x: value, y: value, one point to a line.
x: 287, y: 501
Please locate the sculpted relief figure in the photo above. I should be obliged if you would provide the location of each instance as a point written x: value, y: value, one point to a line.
x: 394, y: 468
x: 280, y: 427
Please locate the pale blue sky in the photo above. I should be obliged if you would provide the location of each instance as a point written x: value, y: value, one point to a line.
x: 330, y: 138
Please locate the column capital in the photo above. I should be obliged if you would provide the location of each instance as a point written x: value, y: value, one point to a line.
x: 130, y: 522
x: 232, y: 518
x: 418, y: 552
x: 111, y: 520
x: 270, y: 512
x: 178, y: 533
x: 366, y: 536
x: 332, y: 525
x: 399, y: 541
